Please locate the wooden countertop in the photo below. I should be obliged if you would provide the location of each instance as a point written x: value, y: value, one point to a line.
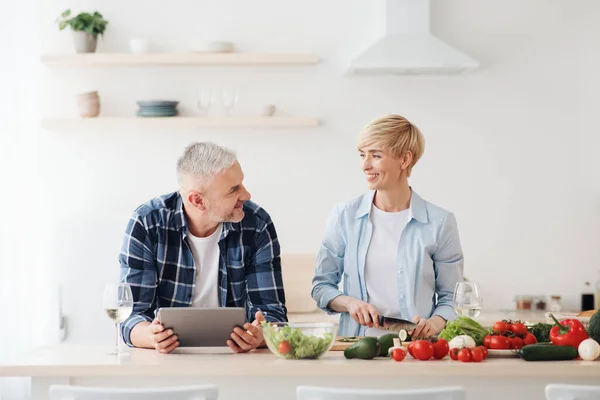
x: 92, y: 361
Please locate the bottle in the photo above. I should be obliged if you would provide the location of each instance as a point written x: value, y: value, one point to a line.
x: 597, y: 294
x: 554, y: 305
x: 587, y: 297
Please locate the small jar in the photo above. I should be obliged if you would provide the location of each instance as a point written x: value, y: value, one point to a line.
x: 540, y: 303
x: 524, y: 302
x: 554, y: 305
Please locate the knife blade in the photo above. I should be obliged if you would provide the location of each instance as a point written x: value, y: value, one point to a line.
x: 395, y: 324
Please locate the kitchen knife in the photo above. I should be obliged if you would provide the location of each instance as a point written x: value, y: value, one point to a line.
x: 395, y: 324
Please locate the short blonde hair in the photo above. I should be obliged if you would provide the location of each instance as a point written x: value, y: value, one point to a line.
x: 395, y: 134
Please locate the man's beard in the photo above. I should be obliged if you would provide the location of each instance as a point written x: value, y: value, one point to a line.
x: 230, y: 217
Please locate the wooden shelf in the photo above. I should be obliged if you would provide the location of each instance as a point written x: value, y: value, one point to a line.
x: 92, y: 60
x: 178, y: 122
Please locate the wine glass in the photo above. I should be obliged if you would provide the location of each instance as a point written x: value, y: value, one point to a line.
x: 467, y: 299
x: 229, y: 98
x: 118, y: 305
x: 206, y: 98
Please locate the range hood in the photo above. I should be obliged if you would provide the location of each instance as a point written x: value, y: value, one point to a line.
x: 408, y: 46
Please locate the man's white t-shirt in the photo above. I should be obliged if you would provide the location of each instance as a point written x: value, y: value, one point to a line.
x: 206, y: 257
x: 381, y: 265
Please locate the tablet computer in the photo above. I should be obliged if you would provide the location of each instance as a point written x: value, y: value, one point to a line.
x: 202, y: 327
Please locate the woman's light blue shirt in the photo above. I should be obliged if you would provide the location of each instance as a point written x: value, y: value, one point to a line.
x: 430, y: 260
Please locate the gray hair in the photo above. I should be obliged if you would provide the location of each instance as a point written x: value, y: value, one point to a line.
x: 203, y: 161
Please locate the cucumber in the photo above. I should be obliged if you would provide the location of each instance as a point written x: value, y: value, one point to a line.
x: 544, y: 352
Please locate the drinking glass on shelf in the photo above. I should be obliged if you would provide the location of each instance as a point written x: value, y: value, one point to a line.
x: 206, y: 98
x: 118, y: 305
x: 467, y: 299
x: 229, y: 98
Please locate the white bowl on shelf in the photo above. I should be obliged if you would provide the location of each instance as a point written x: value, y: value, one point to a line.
x: 212, y: 47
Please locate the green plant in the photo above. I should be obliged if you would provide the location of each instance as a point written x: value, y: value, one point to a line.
x: 94, y: 23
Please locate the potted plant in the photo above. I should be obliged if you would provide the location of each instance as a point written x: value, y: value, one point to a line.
x: 86, y: 27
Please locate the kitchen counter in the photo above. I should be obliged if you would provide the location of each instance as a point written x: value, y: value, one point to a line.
x: 90, y: 365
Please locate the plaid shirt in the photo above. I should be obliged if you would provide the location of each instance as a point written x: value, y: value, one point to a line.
x: 157, y: 262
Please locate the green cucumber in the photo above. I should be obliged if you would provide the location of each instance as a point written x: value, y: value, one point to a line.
x: 544, y: 352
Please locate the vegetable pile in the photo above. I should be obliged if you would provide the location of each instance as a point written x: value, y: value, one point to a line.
x: 464, y: 326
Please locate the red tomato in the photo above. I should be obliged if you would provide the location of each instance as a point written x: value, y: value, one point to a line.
x: 423, y: 350
x: 476, y: 355
x: 398, y: 354
x: 284, y: 347
x: 410, y: 349
x: 508, y: 327
x: 499, y: 326
x: 454, y: 353
x: 529, y: 339
x: 519, y: 329
x: 484, y: 350
x: 516, y: 343
x: 440, y: 349
x: 499, y: 343
x: 486, y: 341
x: 464, y: 355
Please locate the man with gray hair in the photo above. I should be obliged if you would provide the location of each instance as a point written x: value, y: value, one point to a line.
x: 206, y: 245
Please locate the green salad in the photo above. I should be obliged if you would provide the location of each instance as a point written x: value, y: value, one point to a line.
x: 292, y: 344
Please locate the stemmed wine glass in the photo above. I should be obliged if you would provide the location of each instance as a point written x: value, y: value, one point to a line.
x: 467, y: 299
x: 118, y: 305
x: 206, y: 98
x: 229, y: 98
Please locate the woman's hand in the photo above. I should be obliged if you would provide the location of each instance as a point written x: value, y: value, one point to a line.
x: 363, y: 313
x: 427, y: 327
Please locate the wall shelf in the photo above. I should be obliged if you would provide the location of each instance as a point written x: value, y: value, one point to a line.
x: 55, y: 124
x: 93, y: 60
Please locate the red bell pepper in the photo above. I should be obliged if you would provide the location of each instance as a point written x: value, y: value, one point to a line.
x: 569, y: 332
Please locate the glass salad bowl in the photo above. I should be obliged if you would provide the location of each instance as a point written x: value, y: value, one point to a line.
x: 299, y: 340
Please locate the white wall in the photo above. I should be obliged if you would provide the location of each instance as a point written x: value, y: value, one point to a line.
x: 510, y: 148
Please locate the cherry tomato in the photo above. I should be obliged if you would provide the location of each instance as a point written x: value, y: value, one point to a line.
x: 499, y: 326
x: 476, y: 355
x: 529, y: 339
x: 508, y: 327
x: 486, y: 341
x: 398, y: 354
x: 519, y: 329
x: 411, y: 345
x: 499, y: 343
x: 440, y: 349
x: 284, y: 347
x: 516, y: 343
x: 423, y: 350
x: 454, y: 353
x: 464, y: 355
x: 484, y: 350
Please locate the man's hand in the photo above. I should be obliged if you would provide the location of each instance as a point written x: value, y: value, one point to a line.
x: 363, y: 313
x: 427, y: 327
x: 249, y: 338
x: 165, y: 341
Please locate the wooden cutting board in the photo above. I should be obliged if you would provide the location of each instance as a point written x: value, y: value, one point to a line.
x: 341, y: 346
x: 587, y: 313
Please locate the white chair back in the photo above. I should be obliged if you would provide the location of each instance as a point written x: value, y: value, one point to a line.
x: 67, y: 392
x: 324, y: 393
x: 556, y: 391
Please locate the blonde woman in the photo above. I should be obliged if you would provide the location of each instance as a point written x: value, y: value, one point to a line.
x: 399, y: 255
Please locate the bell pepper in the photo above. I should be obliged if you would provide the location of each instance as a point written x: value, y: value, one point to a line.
x: 569, y: 332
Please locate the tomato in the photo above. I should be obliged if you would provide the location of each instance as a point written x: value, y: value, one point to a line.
x: 486, y: 341
x: 440, y: 349
x: 500, y: 326
x: 529, y: 339
x: 398, y: 354
x: 484, y: 350
x: 454, y: 353
x: 516, y: 343
x: 284, y: 347
x: 411, y: 345
x: 464, y: 355
x: 476, y: 355
x: 423, y: 350
x: 499, y: 343
x: 519, y: 329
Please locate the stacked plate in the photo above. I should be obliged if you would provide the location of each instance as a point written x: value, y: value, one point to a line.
x: 157, y: 108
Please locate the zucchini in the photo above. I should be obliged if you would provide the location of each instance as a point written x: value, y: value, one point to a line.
x: 544, y: 352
